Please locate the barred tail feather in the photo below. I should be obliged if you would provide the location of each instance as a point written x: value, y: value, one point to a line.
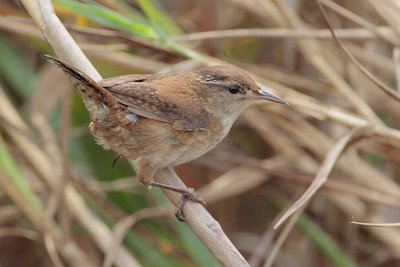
x: 98, y: 100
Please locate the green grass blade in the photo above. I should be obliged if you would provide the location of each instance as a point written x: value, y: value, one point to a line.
x: 11, y: 169
x: 110, y: 18
x: 163, y: 24
x: 16, y: 70
x: 123, y: 7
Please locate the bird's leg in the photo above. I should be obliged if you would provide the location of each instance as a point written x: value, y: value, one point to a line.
x: 145, y: 176
x: 187, y: 194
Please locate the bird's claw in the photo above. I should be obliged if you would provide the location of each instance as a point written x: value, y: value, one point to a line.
x: 187, y: 195
x: 116, y: 159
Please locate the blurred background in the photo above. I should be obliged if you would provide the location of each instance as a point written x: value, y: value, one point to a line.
x: 58, y: 187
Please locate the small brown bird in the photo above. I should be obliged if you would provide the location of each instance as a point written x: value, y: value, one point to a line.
x: 163, y: 120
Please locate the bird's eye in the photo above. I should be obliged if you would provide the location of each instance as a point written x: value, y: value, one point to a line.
x: 233, y: 89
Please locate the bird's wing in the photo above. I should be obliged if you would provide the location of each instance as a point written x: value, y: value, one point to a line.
x: 113, y: 81
x: 144, y: 100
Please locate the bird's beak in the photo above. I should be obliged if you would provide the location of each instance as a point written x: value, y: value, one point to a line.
x: 263, y: 95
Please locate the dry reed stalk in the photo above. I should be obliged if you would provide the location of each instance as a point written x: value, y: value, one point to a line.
x: 124, y: 60
x: 323, y: 173
x: 233, y: 183
x: 376, y: 224
x: 283, y: 236
x: 123, y: 226
x: 389, y: 11
x: 347, y: 34
x: 394, y: 40
x: 339, y: 184
x: 21, y: 232
x: 303, y: 134
x: 329, y: 113
x: 42, y: 164
x: 389, y: 91
x: 18, y: 134
x: 364, y: 173
x: 377, y: 61
x: 313, y: 51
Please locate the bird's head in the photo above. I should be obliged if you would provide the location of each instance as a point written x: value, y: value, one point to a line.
x: 228, y: 90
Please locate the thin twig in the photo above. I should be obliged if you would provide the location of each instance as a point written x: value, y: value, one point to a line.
x: 322, y: 175
x: 20, y: 232
x: 348, y: 34
x: 313, y: 51
x: 361, y: 21
x: 389, y: 91
x: 292, y: 175
x: 52, y: 250
x: 396, y: 64
x: 123, y: 226
x: 283, y: 236
x: 376, y: 224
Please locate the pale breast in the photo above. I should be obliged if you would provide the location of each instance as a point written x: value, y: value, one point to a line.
x: 158, y: 142
x: 194, y: 144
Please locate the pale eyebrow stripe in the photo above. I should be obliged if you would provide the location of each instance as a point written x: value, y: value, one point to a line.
x: 210, y: 79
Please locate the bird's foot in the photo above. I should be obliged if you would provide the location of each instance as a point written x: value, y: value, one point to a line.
x: 187, y: 194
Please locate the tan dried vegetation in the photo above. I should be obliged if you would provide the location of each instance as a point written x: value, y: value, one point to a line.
x: 334, y: 152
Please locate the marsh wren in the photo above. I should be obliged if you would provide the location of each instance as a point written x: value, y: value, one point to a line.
x: 164, y: 120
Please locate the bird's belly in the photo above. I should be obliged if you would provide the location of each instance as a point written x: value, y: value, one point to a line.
x: 192, y: 145
x: 157, y: 142
x: 185, y: 154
